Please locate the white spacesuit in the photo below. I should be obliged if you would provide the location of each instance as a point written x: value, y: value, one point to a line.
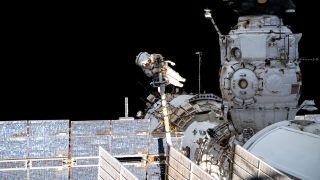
x: 152, y: 64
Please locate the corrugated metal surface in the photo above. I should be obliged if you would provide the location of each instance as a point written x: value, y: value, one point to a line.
x: 182, y: 168
x: 111, y: 168
x: 247, y: 166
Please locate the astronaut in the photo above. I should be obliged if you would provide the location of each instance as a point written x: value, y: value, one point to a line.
x: 153, y: 64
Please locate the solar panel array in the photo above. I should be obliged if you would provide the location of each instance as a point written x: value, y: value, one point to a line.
x: 64, y: 149
x: 181, y: 167
x: 248, y: 166
x: 111, y: 168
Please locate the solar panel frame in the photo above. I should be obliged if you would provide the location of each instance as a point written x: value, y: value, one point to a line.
x: 38, y: 149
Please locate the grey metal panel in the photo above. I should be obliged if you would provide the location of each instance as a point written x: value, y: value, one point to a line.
x: 109, y: 166
x: 271, y: 172
x: 185, y: 172
x: 194, y: 177
x: 175, y: 174
x: 129, y: 145
x: 196, y: 170
x: 105, y: 156
x: 153, y: 171
x: 246, y: 165
x: 12, y: 164
x: 183, y: 160
x: 44, y: 128
x: 265, y: 176
x: 153, y: 146
x: 90, y: 128
x: 84, y: 173
x: 130, y: 127
x: 49, y: 174
x: 13, y: 148
x: 103, y: 175
x: 47, y: 163
x: 180, y: 167
x: 250, y: 158
x: 128, y: 175
x: 239, y: 171
x: 137, y: 169
x: 88, y: 145
x: 86, y: 161
x: 235, y: 177
x: 48, y: 147
x: 15, y: 175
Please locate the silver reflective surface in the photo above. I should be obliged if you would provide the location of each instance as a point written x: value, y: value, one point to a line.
x: 13, y: 129
x: 13, y: 148
x: 111, y: 168
x: 86, y: 161
x: 181, y: 167
x: 90, y: 128
x: 14, y: 174
x: 47, y: 163
x: 48, y: 128
x: 137, y: 169
x: 12, y: 164
x: 130, y: 127
x: 13, y: 139
x: 129, y: 145
x: 84, y: 173
x: 43, y: 147
x: 88, y: 145
x: 49, y: 174
x: 48, y: 147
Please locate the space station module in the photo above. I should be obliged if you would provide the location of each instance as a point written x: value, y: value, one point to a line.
x: 260, y: 78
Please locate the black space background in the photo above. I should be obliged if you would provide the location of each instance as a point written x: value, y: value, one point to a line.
x: 76, y: 60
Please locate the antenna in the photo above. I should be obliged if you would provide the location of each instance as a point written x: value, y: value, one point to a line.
x: 200, y: 55
x: 126, y: 107
x: 126, y: 110
x: 208, y: 15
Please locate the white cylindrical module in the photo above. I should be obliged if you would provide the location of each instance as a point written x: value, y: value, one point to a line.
x: 260, y: 75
